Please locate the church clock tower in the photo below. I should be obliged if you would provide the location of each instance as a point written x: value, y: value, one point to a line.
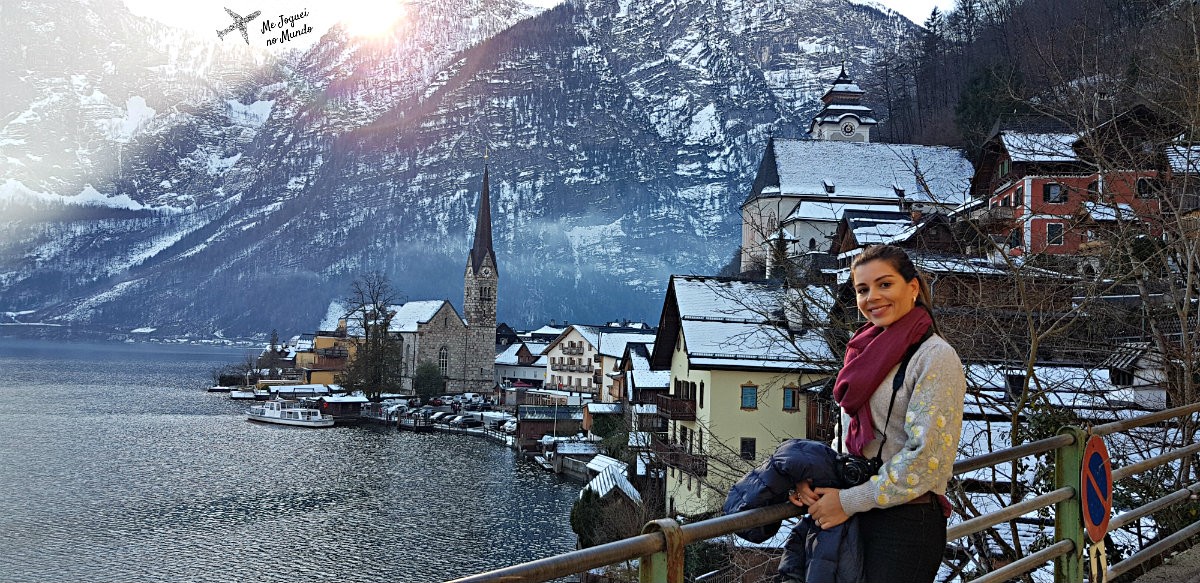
x: 844, y: 118
x: 479, y: 301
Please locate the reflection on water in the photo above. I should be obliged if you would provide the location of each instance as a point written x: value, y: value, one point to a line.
x: 117, y: 466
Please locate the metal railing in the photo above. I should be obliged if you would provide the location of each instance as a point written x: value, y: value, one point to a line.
x: 660, y: 547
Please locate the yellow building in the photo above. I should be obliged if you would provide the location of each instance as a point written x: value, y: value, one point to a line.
x: 745, y: 364
x: 330, y: 351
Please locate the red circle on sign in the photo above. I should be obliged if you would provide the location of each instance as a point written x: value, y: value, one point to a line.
x: 1096, y: 481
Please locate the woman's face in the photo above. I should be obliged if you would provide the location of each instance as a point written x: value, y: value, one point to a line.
x: 883, y: 295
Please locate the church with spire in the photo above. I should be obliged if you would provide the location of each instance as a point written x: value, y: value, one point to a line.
x: 463, y: 347
x: 479, y: 298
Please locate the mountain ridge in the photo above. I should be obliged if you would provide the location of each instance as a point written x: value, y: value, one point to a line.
x: 621, y: 138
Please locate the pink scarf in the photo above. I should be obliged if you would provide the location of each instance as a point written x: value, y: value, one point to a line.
x: 870, y: 355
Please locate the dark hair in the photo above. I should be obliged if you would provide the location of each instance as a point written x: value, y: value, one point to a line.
x: 900, y: 261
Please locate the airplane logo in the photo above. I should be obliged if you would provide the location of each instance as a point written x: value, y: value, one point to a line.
x: 239, y: 23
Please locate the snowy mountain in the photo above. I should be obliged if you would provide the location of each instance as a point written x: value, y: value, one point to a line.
x: 153, y: 179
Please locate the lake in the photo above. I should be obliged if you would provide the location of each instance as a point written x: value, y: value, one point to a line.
x: 116, y: 465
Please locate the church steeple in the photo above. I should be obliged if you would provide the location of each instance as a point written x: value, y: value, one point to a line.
x: 480, y: 292
x: 482, y: 247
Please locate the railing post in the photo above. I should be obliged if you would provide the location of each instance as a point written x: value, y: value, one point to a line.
x: 665, y: 566
x: 1068, y: 517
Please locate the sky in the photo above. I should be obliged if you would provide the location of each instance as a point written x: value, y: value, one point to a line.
x: 362, y: 17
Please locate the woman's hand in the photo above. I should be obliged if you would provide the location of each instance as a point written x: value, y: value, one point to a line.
x: 827, y: 510
x: 803, y: 494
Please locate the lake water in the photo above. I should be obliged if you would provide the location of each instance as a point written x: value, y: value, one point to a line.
x: 115, y: 465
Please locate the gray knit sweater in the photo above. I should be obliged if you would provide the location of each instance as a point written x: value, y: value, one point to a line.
x: 923, y: 430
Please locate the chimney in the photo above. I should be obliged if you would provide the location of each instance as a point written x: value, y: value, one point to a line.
x: 916, y: 216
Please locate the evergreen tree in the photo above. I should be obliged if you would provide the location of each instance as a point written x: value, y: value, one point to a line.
x: 586, y: 517
x: 427, y: 381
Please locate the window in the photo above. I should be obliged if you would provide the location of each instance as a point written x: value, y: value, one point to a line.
x: 791, y: 399
x: 748, y: 448
x: 1016, y: 238
x: 485, y: 293
x: 1093, y: 191
x: 1054, y: 233
x: 444, y: 360
x: 1120, y: 378
x: 1019, y: 196
x: 1148, y: 188
x: 1054, y: 192
x: 749, y: 397
x: 1005, y: 167
x: 1005, y: 202
x: 812, y: 244
x: 701, y: 395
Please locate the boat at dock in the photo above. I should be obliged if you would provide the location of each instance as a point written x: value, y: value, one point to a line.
x: 289, y: 413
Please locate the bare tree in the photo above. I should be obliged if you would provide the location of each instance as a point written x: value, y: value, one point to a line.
x: 377, y: 364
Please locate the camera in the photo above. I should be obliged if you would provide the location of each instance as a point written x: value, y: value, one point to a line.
x: 853, y: 470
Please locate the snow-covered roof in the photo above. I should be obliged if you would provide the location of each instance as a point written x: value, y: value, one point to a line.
x: 609, y: 479
x: 1109, y: 212
x: 613, y: 343
x: 299, y: 389
x: 640, y: 375
x: 1184, y: 158
x: 735, y: 323
x: 1039, y: 147
x: 509, y: 356
x: 879, y: 228
x: 547, y: 331
x: 408, y: 316
x: 536, y: 348
x: 602, y: 463
x: 345, y: 399
x: 650, y: 379
x: 604, y: 408
x: 576, y: 448
x: 871, y: 170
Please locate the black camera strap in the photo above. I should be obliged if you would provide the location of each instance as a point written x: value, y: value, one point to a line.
x: 897, y: 382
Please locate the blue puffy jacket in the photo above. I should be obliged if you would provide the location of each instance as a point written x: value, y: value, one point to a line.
x: 811, y: 555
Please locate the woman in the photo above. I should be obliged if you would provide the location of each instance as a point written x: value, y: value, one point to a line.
x: 900, y: 513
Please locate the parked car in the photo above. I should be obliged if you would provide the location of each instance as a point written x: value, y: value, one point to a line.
x: 438, y: 416
x: 509, y: 426
x: 437, y: 402
x: 466, y: 421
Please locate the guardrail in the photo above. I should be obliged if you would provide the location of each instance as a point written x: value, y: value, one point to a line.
x: 660, y: 547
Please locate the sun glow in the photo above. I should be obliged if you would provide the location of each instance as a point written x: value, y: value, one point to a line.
x: 371, y: 17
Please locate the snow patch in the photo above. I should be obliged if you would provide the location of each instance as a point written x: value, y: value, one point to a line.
x: 142, y: 330
x: 253, y: 115
x: 137, y: 115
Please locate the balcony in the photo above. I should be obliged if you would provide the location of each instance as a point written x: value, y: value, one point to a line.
x: 335, y: 352
x: 675, y: 456
x: 676, y: 409
x: 572, y: 350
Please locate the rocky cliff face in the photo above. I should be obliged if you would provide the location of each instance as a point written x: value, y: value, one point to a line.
x: 156, y: 180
